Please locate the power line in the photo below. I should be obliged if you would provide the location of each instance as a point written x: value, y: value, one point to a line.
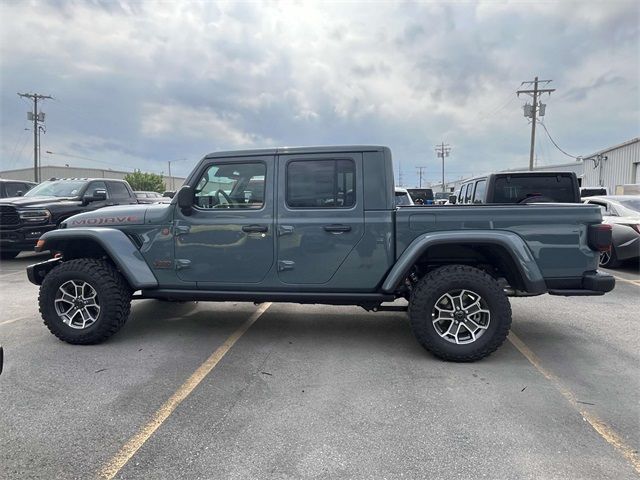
x: 555, y: 144
x: 37, y: 117
x: 420, y: 169
x: 442, y: 151
x: 533, y: 110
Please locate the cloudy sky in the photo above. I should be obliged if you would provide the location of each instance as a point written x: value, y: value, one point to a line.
x: 138, y: 84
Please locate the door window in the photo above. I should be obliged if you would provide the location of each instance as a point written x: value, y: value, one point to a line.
x: 478, y: 195
x: 468, y: 192
x: 14, y: 188
x: 93, y: 186
x: 231, y: 186
x: 119, y: 191
x: 321, y: 184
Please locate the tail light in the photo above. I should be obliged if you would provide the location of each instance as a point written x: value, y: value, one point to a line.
x: 599, y: 237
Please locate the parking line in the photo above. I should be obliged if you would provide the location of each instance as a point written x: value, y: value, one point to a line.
x: 626, y: 280
x: 7, y: 322
x: 606, y: 432
x: 111, y: 468
x: 3, y: 275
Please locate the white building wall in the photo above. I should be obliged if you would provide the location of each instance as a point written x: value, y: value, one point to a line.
x: 621, y: 166
x: 53, y: 171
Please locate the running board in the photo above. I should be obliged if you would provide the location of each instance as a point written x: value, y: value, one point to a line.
x: 369, y: 300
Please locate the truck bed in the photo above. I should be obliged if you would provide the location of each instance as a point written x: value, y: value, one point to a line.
x: 556, y: 234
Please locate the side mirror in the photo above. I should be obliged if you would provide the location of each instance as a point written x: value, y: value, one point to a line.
x: 453, y: 199
x: 185, y: 199
x: 169, y: 194
x: 97, y: 196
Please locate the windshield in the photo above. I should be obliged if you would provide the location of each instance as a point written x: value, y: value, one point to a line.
x: 57, y: 188
x: 631, y: 204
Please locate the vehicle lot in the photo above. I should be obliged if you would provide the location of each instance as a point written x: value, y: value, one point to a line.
x: 322, y: 392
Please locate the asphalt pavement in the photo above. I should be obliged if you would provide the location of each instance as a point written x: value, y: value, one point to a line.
x: 320, y: 392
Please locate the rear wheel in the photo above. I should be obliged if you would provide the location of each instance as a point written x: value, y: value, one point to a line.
x: 84, y: 301
x: 459, y: 313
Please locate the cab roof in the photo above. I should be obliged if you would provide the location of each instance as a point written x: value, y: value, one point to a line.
x: 298, y: 150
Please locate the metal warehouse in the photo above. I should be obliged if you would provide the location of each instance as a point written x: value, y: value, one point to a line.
x: 54, y: 171
x: 613, y: 167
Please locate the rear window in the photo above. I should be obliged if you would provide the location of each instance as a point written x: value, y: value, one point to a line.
x: 550, y: 188
x: 321, y: 184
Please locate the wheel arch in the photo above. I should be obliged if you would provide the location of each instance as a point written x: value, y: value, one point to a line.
x: 103, y: 242
x: 504, y: 250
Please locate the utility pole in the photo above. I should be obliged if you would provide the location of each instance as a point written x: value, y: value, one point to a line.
x: 534, y: 108
x: 442, y: 151
x: 170, y: 177
x: 36, y: 129
x: 420, y: 174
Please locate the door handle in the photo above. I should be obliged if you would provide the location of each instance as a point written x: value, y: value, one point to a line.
x: 337, y: 228
x: 255, y: 228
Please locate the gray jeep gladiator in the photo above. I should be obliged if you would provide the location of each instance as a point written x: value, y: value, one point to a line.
x: 319, y: 225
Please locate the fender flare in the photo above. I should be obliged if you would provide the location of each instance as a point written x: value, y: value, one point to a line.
x: 116, y: 244
x: 511, y: 242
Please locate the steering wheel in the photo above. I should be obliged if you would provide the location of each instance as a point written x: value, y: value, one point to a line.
x: 226, y: 197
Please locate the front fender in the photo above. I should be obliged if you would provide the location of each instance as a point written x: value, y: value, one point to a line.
x: 115, y: 243
x: 512, y: 243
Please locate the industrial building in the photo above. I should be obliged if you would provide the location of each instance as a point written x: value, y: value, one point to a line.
x: 611, y: 168
x: 55, y: 171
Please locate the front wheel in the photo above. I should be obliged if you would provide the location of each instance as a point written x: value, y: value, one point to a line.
x: 459, y: 313
x: 84, y: 301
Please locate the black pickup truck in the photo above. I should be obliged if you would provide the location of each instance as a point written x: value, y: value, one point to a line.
x: 24, y: 219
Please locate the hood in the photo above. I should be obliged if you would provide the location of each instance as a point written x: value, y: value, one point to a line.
x: 109, y: 216
x: 37, y: 201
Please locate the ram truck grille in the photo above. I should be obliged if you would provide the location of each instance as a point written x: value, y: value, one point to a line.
x: 9, y: 216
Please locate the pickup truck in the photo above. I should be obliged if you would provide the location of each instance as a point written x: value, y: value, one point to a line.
x: 25, y: 218
x: 319, y: 225
x: 521, y: 187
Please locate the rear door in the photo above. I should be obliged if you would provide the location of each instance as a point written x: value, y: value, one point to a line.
x: 320, y: 214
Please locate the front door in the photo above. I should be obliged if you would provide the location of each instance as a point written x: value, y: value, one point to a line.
x: 229, y: 237
x: 320, y: 215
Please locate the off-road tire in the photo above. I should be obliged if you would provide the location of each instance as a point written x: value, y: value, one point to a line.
x: 444, y: 279
x: 114, y: 294
x: 8, y: 255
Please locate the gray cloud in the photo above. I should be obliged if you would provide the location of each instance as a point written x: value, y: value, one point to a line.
x: 141, y: 83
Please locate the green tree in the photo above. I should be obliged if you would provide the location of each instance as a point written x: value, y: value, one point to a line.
x: 146, y: 181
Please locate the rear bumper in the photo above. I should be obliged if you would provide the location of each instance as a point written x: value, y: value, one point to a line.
x: 591, y: 283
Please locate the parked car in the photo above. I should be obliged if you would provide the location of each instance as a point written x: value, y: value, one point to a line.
x: 24, y: 219
x: 425, y: 195
x: 323, y: 229
x: 402, y: 197
x: 441, y: 198
x: 14, y: 188
x: 521, y: 187
x: 622, y: 212
x: 151, y: 197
